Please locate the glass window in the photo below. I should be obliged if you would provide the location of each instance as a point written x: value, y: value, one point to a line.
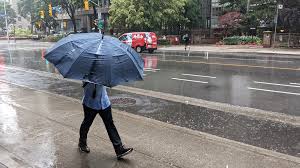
x: 123, y: 38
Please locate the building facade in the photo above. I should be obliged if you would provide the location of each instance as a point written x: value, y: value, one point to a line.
x: 210, y: 12
x: 216, y: 11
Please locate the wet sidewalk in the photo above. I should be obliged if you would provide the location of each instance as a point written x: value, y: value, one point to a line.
x: 40, y: 129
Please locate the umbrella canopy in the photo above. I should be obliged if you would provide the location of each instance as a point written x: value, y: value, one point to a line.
x: 89, y: 57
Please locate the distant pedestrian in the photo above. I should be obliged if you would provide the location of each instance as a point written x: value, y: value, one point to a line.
x: 96, y: 101
x: 186, y: 40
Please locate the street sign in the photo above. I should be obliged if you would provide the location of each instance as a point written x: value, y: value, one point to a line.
x: 100, y: 24
x: 280, y: 6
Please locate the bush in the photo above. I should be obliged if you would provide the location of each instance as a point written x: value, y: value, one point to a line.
x: 52, y: 38
x: 237, y: 40
x: 21, y: 32
x: 163, y: 42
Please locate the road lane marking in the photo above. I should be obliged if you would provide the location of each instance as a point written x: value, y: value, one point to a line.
x: 151, y: 69
x: 234, y: 109
x: 187, y: 80
x: 199, y: 76
x: 295, y: 84
x: 245, y: 59
x: 241, y: 59
x: 276, y: 84
x: 232, y: 65
x: 274, y: 91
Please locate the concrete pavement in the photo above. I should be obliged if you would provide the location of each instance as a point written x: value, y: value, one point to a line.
x: 40, y: 129
x: 193, y: 48
x: 232, y: 49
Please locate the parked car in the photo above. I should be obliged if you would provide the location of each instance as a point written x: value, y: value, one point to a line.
x: 140, y: 41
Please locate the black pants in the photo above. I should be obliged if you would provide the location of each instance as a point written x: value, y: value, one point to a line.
x: 89, y: 116
x: 186, y: 43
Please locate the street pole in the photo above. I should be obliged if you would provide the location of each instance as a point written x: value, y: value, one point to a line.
x: 248, y: 6
x: 276, y: 20
x: 99, y: 14
x: 6, y: 24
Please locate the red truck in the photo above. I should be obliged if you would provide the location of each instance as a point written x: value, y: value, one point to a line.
x: 140, y: 41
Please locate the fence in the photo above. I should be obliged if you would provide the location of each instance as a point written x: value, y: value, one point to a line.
x: 291, y: 40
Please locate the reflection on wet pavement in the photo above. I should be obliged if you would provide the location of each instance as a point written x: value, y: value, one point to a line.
x: 40, y: 137
x: 218, y: 83
x: 19, y: 138
x: 225, y: 84
x: 244, y: 129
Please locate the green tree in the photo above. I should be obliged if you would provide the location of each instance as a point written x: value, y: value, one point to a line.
x: 261, y: 12
x: 235, y: 5
x: 70, y: 6
x: 28, y: 9
x: 192, y: 13
x: 11, y: 15
x: 32, y: 8
x: 289, y: 16
x: 145, y: 15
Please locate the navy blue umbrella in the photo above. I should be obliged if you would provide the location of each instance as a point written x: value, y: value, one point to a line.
x: 89, y: 57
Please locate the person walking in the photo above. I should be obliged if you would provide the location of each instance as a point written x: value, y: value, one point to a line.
x: 95, y: 101
x: 186, y: 40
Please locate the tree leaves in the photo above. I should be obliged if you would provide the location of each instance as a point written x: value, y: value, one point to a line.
x: 11, y: 15
x: 145, y: 15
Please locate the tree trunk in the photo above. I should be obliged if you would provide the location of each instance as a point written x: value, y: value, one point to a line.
x: 74, y: 23
x: 32, y: 24
x: 71, y: 12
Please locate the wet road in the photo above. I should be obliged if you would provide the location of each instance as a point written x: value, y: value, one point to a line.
x: 268, y: 85
x: 219, y: 83
x: 266, y: 82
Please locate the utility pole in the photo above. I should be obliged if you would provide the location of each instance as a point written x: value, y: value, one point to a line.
x: 6, y: 24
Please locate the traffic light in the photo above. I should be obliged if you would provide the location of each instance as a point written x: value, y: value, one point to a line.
x: 42, y: 14
x: 50, y: 10
x: 86, y: 5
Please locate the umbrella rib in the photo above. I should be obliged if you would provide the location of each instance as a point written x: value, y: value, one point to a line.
x: 76, y: 60
x: 128, y: 54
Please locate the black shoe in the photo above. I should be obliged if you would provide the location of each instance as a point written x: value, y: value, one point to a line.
x: 83, y: 147
x: 122, y: 151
